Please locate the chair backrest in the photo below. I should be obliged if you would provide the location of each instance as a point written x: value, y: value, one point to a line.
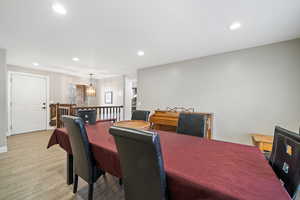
x: 285, y: 159
x: 192, y: 124
x: 83, y: 160
x: 140, y: 115
x: 142, y: 164
x: 88, y: 116
x: 279, y: 130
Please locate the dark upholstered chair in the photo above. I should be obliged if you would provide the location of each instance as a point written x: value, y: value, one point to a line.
x: 280, y: 130
x: 141, y: 163
x: 285, y: 159
x: 140, y: 115
x: 193, y: 124
x: 269, y: 156
x: 84, y: 163
x: 88, y: 116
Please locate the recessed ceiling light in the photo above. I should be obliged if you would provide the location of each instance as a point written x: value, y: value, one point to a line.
x: 35, y: 63
x: 59, y: 8
x: 140, y: 53
x: 235, y: 26
x: 75, y: 59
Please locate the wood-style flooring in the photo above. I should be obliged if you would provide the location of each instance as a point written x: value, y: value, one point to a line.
x: 30, y: 171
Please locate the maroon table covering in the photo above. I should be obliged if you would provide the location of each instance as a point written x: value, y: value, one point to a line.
x: 196, y: 168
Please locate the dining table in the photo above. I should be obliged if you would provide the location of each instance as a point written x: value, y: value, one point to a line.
x: 196, y: 168
x: 135, y: 124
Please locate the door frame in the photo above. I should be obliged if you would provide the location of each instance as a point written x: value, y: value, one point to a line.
x: 9, y: 97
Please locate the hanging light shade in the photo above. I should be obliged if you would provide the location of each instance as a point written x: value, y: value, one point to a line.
x: 91, y: 90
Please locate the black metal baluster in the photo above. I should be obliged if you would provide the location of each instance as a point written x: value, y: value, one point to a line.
x: 114, y: 112
x: 110, y: 113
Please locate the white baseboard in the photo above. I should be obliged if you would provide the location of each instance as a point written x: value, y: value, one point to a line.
x: 8, y: 133
x: 51, y: 128
x: 3, y: 149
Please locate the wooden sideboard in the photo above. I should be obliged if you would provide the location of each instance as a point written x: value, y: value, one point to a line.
x: 168, y: 121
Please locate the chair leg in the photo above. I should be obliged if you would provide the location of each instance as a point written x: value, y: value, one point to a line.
x: 75, y: 183
x: 91, y: 189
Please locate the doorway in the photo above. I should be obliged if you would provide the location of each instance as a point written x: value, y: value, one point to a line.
x: 28, y: 102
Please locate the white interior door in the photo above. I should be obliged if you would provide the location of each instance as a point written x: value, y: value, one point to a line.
x: 28, y: 103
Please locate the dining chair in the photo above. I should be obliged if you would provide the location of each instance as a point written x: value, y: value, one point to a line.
x: 84, y: 163
x: 142, y: 164
x: 140, y: 115
x: 285, y: 159
x: 88, y: 116
x: 279, y: 130
x: 268, y: 154
x: 193, y: 124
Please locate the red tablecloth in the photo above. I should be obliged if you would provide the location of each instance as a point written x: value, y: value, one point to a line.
x: 196, y: 168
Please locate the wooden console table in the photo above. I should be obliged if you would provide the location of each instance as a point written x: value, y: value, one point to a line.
x: 168, y: 121
x: 263, y: 142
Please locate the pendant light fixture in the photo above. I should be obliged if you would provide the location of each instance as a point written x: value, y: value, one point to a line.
x: 91, y: 90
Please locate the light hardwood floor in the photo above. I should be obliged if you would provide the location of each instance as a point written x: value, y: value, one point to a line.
x: 31, y: 171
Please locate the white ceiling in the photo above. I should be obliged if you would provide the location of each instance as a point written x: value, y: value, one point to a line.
x: 106, y: 34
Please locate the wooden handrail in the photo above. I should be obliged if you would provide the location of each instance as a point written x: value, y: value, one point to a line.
x: 56, y: 110
x: 114, y: 113
x: 103, y: 112
x: 89, y: 107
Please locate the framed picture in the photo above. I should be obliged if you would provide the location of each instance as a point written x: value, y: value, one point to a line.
x: 108, y: 97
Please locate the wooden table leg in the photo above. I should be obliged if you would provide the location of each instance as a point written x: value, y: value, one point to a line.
x: 69, y: 169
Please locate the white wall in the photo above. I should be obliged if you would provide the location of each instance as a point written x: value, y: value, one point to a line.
x: 129, y: 83
x: 249, y: 91
x: 59, y: 83
x: 3, y: 100
x: 115, y: 85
